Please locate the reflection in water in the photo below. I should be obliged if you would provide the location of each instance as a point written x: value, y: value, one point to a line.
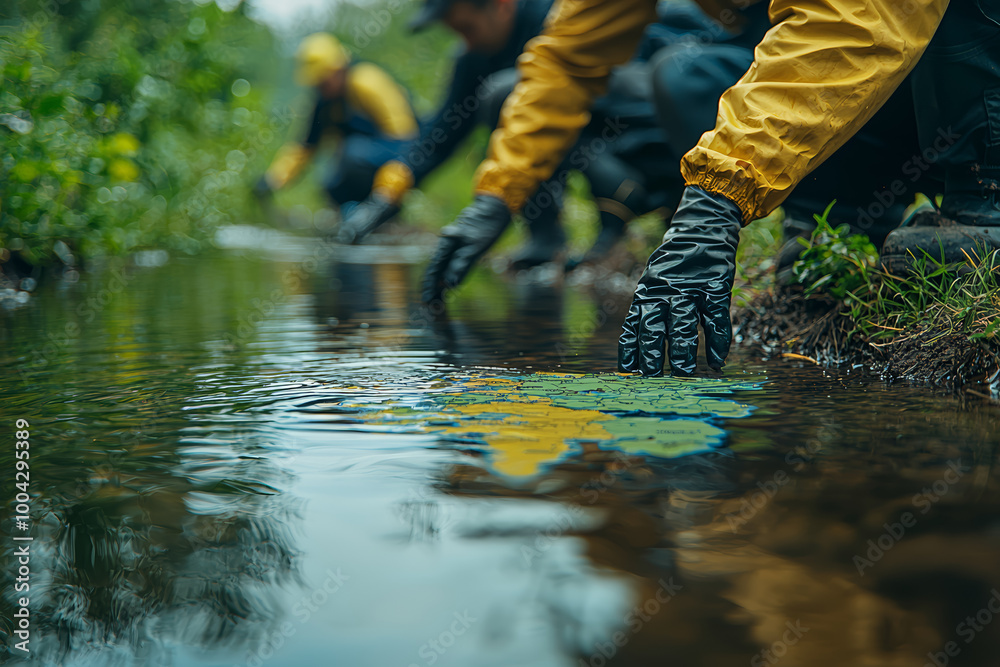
x: 212, y: 443
x: 819, y: 571
x: 146, y: 536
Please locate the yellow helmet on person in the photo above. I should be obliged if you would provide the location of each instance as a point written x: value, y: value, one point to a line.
x: 319, y: 55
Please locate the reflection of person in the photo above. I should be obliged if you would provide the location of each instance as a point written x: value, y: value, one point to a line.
x: 818, y: 76
x: 357, y: 101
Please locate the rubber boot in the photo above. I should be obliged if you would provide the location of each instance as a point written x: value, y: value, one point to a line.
x: 967, y: 226
x: 972, y: 197
x: 612, y: 231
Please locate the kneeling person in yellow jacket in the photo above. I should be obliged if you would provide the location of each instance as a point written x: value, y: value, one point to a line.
x: 359, y: 103
x: 819, y: 75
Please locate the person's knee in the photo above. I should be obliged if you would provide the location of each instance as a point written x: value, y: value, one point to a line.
x: 354, y: 163
x: 671, y: 70
x: 687, y: 86
x: 612, y: 178
x: 675, y: 84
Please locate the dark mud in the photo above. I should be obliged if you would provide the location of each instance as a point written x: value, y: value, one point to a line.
x: 784, y: 322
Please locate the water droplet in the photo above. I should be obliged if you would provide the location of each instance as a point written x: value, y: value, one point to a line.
x: 19, y: 125
x: 241, y: 116
x: 151, y: 257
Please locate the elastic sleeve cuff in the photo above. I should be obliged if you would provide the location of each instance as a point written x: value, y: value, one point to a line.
x: 736, y: 180
x: 510, y: 185
x: 392, y: 181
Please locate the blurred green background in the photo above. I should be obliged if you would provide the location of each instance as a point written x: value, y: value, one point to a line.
x: 131, y: 124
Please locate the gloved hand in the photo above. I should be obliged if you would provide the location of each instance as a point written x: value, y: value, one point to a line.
x: 364, y: 218
x: 463, y: 242
x: 688, y: 279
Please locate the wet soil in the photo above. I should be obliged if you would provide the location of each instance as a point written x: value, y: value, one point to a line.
x: 783, y: 321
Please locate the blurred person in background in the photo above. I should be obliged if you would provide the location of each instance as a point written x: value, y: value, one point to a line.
x: 494, y: 33
x: 357, y: 102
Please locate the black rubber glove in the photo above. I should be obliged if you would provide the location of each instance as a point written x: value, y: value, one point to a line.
x: 688, y: 279
x: 365, y: 218
x: 463, y: 242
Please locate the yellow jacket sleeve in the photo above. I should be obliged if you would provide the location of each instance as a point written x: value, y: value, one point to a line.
x: 287, y: 165
x: 371, y: 89
x: 562, y: 71
x: 818, y: 76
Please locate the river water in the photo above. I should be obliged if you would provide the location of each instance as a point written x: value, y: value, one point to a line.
x: 260, y: 460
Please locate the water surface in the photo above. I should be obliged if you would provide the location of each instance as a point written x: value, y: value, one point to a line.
x: 283, y: 461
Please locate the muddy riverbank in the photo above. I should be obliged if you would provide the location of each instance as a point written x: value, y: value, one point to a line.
x: 784, y: 322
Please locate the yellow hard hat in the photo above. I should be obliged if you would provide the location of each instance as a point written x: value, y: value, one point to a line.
x: 318, y: 56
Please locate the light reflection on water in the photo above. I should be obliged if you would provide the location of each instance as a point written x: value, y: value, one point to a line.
x: 236, y: 472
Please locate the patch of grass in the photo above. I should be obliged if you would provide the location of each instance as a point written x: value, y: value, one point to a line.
x: 940, y: 323
x: 936, y: 296
x: 948, y: 298
x: 952, y: 298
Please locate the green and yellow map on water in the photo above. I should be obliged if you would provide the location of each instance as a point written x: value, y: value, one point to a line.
x: 529, y: 421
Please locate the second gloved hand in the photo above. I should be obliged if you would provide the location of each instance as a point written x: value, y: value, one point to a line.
x: 463, y: 242
x: 689, y: 279
x: 364, y: 218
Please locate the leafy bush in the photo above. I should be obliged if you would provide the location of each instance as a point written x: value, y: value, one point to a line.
x: 122, y: 128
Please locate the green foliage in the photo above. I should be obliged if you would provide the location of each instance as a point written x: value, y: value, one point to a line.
x: 834, y: 261
x: 122, y: 128
x: 760, y: 243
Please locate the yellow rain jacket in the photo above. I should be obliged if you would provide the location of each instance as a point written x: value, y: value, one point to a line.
x: 819, y: 74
